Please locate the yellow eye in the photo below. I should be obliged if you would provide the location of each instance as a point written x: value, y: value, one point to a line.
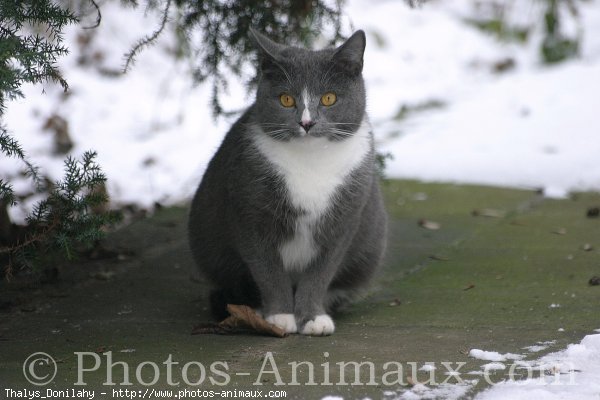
x: 328, y: 99
x: 287, y: 100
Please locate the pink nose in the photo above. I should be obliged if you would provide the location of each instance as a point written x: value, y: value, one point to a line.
x: 307, y: 125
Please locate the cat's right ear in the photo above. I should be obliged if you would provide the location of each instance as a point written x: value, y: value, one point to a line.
x: 269, y: 50
x: 349, y: 56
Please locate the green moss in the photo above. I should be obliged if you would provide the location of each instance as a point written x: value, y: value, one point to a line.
x: 489, y: 285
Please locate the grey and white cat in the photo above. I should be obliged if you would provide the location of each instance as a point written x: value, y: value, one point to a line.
x: 289, y: 217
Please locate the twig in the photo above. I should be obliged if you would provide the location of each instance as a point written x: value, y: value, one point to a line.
x: 148, y: 40
x: 98, y: 16
x: 36, y: 237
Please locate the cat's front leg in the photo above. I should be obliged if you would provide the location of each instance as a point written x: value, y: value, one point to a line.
x: 311, y: 315
x: 276, y: 294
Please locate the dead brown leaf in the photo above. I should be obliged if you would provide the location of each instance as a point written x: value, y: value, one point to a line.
x: 594, y: 281
x: 593, y: 212
x: 241, y: 319
x: 103, y: 275
x: 431, y: 225
x: 489, y: 212
x: 395, y: 302
x: 469, y: 286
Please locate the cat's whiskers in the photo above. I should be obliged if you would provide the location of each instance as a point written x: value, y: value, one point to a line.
x: 341, y: 133
x: 278, y: 133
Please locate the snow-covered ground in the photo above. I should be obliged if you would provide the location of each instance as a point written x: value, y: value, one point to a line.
x: 573, y: 373
x: 570, y: 374
x: 533, y: 126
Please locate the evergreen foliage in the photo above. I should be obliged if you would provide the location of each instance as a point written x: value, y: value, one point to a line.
x: 30, y: 44
x: 65, y: 220
x: 556, y: 46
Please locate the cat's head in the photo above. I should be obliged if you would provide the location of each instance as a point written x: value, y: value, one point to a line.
x: 303, y: 93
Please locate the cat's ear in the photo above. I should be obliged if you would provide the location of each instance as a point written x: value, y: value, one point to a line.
x: 269, y: 50
x: 349, y: 56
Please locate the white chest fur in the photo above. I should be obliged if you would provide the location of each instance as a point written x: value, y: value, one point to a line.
x: 312, y: 168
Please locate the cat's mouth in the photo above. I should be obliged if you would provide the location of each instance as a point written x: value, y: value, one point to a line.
x: 312, y: 133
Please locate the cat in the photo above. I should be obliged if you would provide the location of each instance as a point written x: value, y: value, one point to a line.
x: 289, y: 218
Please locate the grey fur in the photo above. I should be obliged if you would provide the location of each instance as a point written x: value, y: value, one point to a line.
x: 242, y: 212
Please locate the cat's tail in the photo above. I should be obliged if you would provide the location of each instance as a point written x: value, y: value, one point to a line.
x: 218, y: 304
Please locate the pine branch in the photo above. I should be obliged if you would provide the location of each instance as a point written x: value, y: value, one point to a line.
x: 11, y: 148
x: 65, y: 220
x: 7, y: 194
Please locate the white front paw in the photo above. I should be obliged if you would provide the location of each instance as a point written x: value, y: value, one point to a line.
x: 322, y: 325
x: 287, y: 322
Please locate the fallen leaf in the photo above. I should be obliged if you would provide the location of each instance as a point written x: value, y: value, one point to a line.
x: 593, y: 212
x: 587, y: 247
x: 103, y: 275
x: 420, y: 196
x: 469, y: 286
x: 489, y: 212
x: 395, y: 302
x: 504, y: 65
x: 560, y: 231
x: 594, y: 281
x: 439, y: 258
x: 241, y: 319
x: 410, y: 381
x: 518, y: 223
x: 431, y: 225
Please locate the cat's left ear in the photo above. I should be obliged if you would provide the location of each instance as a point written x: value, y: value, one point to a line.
x: 350, y: 54
x: 269, y: 48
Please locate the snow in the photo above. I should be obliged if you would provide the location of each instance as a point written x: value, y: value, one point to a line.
x: 443, y: 391
x: 493, y: 366
x: 574, y: 374
x: 539, y: 346
x: 493, y: 355
x: 427, y: 368
x: 531, y: 127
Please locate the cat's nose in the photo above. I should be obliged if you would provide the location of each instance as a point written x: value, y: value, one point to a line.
x: 307, y: 125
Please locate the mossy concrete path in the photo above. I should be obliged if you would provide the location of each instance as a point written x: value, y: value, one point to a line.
x: 467, y: 267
